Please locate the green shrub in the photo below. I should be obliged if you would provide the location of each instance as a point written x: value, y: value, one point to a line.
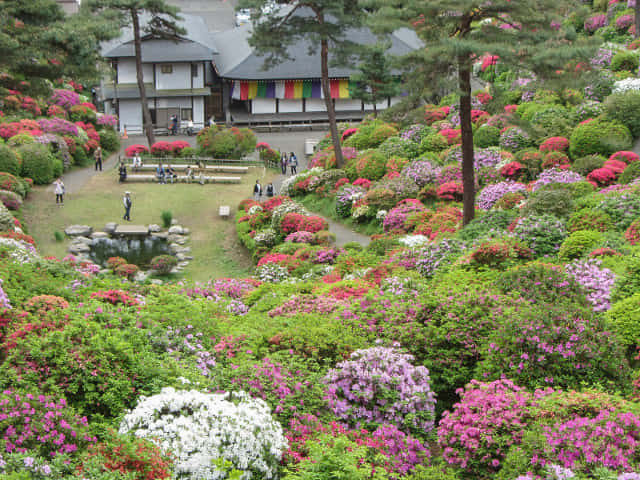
x: 369, y: 164
x: 552, y: 121
x: 221, y: 142
x: 371, y: 135
x: 188, y: 152
x: 589, y: 219
x: 80, y: 157
x: 486, y: 136
x: 527, y: 110
x: 624, y: 319
x: 398, y: 147
x: 109, y: 140
x: 587, y: 164
x: 554, y: 199
x: 37, y: 163
x: 579, y: 244
x: 498, y: 220
x: 433, y: 143
x: 167, y: 216
x: 21, y: 139
x: 630, y: 173
x: 58, y: 168
x: 628, y: 283
x: 625, y: 60
x: 580, y: 189
x: 9, y: 162
x: 599, y: 136
x: 162, y: 264
x: 624, y: 108
x: 58, y: 235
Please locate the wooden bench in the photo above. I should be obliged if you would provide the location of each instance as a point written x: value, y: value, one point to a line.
x: 224, y: 211
x: 208, y: 168
x: 137, y: 178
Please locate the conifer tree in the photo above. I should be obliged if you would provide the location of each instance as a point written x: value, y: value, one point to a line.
x: 525, y: 35
x: 162, y: 23
x: 375, y: 81
x: 323, y: 23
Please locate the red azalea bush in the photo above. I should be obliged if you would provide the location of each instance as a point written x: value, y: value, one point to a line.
x: 347, y: 133
x: 605, y: 252
x: 601, y: 177
x: 512, y: 170
x: 288, y: 261
x: 94, y: 136
x: 555, y: 144
x: 291, y: 222
x: 555, y: 159
x: 127, y: 270
x: 247, y: 203
x: 496, y: 252
x: 313, y: 224
x: 114, y: 262
x: 273, y: 202
x: 362, y: 182
x: 179, y: 145
x: 45, y: 303
x: 56, y: 111
x: 444, y: 222
x: 341, y: 181
x: 632, y: 234
x: 510, y: 108
x: 450, y: 191
x: 161, y: 148
x: 434, y: 114
x: 130, y: 455
x: 21, y: 237
x: 131, y: 150
x: 452, y: 135
x: 479, y: 116
x: 616, y: 166
x: 115, y: 297
x: 484, y: 97
x: 626, y: 157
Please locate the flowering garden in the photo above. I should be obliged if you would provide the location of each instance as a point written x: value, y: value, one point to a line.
x: 505, y: 349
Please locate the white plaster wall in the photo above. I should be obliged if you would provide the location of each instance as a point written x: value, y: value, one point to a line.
x: 380, y: 105
x: 174, y: 102
x: 395, y: 100
x: 198, y: 82
x: 287, y: 105
x: 198, y: 111
x: 315, y: 105
x: 131, y: 116
x: 127, y: 71
x: 263, y: 105
x: 348, y: 104
x: 180, y: 77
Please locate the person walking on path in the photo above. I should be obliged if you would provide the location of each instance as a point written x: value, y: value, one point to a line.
x: 270, y: 190
x: 98, y: 158
x: 257, y: 191
x: 122, y: 171
x: 127, y: 206
x: 283, y: 163
x: 59, y: 191
x: 293, y: 163
x: 174, y: 125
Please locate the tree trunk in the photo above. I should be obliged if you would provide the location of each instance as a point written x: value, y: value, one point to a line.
x: 147, y: 124
x: 326, y: 90
x: 468, y: 179
x: 637, y: 19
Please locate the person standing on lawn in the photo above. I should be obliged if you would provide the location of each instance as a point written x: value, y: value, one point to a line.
x: 127, y: 206
x: 59, y: 191
x: 257, y: 191
x: 98, y: 158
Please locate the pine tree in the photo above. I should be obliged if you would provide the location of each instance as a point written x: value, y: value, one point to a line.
x: 321, y: 22
x: 525, y: 35
x: 375, y: 81
x: 162, y: 23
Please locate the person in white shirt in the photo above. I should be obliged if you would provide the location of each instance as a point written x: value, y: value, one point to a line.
x: 59, y: 191
x: 190, y: 127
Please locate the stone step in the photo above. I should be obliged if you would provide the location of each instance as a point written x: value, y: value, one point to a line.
x: 132, y: 230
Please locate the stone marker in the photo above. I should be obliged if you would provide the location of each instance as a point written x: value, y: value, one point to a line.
x: 175, y: 230
x: 132, y: 230
x: 78, y: 231
x: 110, y: 227
x: 154, y: 228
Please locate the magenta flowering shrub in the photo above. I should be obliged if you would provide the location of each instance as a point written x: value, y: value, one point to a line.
x: 550, y: 345
x: 186, y: 346
x: 308, y: 304
x: 595, y: 22
x: 483, y: 425
x: 326, y: 256
x: 41, y: 424
x: 108, y: 120
x: 555, y: 175
x: 494, y: 192
x: 65, y: 98
x: 397, y: 216
x: 300, y: 237
x: 421, y: 172
x: 597, y: 281
x: 58, y: 125
x: 610, y: 439
x: 380, y: 385
x: 234, y: 287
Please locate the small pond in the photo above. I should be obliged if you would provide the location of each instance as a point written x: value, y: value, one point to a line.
x: 138, y: 251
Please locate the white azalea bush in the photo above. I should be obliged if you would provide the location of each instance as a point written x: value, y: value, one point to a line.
x: 200, y: 429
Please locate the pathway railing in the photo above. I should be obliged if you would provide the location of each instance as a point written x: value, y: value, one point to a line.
x: 194, y: 160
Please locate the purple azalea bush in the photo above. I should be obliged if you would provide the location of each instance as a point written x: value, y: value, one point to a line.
x: 494, y: 192
x: 380, y: 385
x: 58, y: 125
x: 65, y: 98
x: 597, y: 281
x: 421, y: 172
x: 556, y: 175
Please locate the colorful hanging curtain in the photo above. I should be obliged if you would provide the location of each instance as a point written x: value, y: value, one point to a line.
x: 289, y: 89
x: 339, y: 88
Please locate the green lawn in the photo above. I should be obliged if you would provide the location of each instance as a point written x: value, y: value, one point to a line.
x: 214, y: 244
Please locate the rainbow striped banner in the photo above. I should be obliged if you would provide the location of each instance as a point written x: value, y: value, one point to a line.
x: 288, y: 89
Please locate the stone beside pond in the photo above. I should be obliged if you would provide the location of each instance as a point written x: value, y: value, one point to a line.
x: 84, y: 239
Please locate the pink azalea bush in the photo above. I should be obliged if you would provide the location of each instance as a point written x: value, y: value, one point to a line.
x: 380, y: 385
